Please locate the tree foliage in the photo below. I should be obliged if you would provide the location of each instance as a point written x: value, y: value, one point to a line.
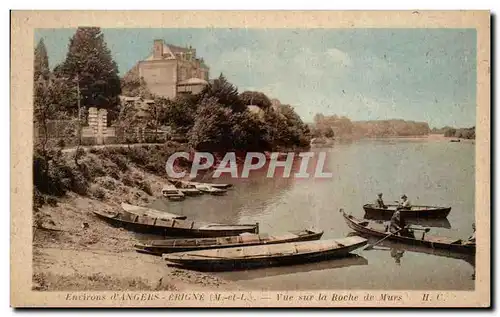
x: 212, y: 127
x: 89, y: 64
x: 41, y: 66
x: 180, y: 113
x: 225, y: 93
x: 255, y: 98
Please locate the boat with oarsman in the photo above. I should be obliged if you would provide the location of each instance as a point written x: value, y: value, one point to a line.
x: 377, y: 229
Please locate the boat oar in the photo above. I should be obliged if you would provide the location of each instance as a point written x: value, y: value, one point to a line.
x: 370, y: 246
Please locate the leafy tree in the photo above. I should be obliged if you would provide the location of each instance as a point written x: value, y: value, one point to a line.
x: 41, y: 67
x: 89, y: 64
x: 255, y: 98
x: 225, y: 93
x: 156, y: 113
x: 180, y: 113
x: 212, y: 127
x: 247, y: 132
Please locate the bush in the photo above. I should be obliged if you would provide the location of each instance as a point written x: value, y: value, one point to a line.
x: 120, y: 161
x: 107, y: 182
x: 127, y: 181
x: 145, y: 187
x: 98, y: 192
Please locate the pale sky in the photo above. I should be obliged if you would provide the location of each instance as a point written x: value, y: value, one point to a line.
x: 365, y: 74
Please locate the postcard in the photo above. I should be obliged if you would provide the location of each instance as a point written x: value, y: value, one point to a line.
x: 250, y: 159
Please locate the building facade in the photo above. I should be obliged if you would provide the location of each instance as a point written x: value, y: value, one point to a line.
x: 173, y: 70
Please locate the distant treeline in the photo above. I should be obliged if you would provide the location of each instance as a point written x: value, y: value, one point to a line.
x: 462, y: 133
x: 343, y: 127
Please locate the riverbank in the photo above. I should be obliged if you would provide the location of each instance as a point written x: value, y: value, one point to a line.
x: 74, y: 250
x: 80, y: 252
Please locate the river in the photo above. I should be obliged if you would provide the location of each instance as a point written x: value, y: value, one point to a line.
x: 429, y: 171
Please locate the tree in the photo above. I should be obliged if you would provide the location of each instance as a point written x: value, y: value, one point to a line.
x: 212, y: 128
x: 89, y: 64
x: 180, y: 113
x: 225, y: 93
x: 41, y: 66
x: 247, y: 132
x: 255, y: 98
x: 156, y: 113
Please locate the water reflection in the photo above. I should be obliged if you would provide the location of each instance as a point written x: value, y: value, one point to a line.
x: 350, y: 260
x: 397, y: 251
x: 248, y: 195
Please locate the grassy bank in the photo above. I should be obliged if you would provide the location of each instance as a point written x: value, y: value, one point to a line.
x: 74, y: 250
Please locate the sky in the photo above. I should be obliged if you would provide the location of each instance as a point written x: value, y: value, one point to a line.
x: 365, y: 74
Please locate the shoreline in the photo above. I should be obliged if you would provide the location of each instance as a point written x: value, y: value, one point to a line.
x: 68, y: 256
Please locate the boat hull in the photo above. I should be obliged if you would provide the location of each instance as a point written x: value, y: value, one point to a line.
x: 176, y: 230
x: 444, y: 243
x: 157, y: 249
x: 417, y: 212
x: 276, y: 259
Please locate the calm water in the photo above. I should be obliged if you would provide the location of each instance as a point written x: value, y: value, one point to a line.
x: 430, y: 172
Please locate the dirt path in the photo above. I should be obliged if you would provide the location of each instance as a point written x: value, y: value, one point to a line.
x: 70, y: 269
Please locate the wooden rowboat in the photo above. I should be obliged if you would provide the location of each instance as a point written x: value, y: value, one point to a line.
x: 144, y: 223
x: 187, y: 184
x: 423, y: 222
x: 265, y: 255
x: 138, y: 210
x: 210, y: 190
x: 415, y: 212
x: 350, y: 259
x: 379, y: 230
x: 159, y: 247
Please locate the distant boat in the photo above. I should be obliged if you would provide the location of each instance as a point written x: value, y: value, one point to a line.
x: 214, y: 185
x: 143, y: 223
x: 150, y: 212
x: 373, y: 211
x: 188, y: 184
x: 210, y: 190
x: 172, y: 193
x: 159, y: 247
x: 265, y: 255
x: 457, y: 140
x: 190, y: 191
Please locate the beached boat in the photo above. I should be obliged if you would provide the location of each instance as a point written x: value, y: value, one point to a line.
x: 190, y: 191
x: 210, y: 190
x: 179, y: 183
x: 376, y: 229
x: 214, y: 185
x: 172, y: 193
x: 265, y: 255
x: 372, y: 210
x: 139, y: 222
x: 138, y: 210
x: 247, y: 239
x: 350, y: 259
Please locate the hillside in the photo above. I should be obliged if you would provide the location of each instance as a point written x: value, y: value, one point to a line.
x: 342, y: 127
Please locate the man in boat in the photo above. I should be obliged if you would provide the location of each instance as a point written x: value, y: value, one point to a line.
x: 380, y: 202
x: 398, y: 225
x: 404, y: 203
